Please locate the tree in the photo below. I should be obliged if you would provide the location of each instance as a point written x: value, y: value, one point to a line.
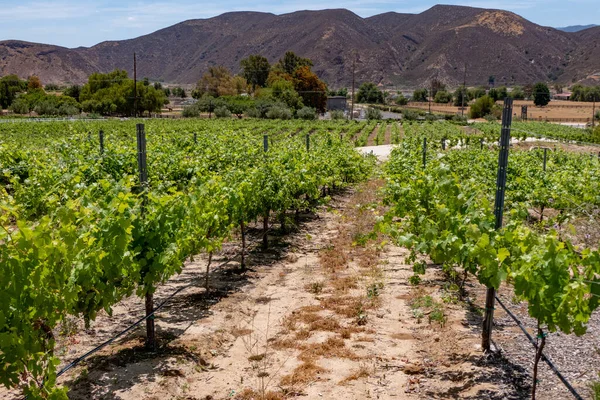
x: 460, y: 96
x: 481, y: 107
x: 238, y: 105
x: 491, y: 81
x: 209, y: 104
x: 528, y: 91
x: 52, y: 87
x: 113, y: 93
x: 73, y: 91
x: 255, y: 69
x: 558, y: 88
x: 499, y: 93
x: 312, y: 90
x: 443, y: 96
x: 291, y: 62
x: 285, y: 92
x: 401, y: 100
x: 10, y: 86
x: 369, y: 93
x: 420, y: 95
x: 436, y: 85
x: 217, y: 82
x: 477, y: 92
x: 517, y: 93
x: 179, y: 92
x: 34, y: 83
x: 541, y: 94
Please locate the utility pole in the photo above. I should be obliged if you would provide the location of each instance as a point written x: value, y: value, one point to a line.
x: 353, y: 73
x: 134, y: 87
x: 593, y: 110
x: 464, y: 92
x: 430, y: 95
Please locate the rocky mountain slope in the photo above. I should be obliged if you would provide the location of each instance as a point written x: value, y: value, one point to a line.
x: 393, y: 49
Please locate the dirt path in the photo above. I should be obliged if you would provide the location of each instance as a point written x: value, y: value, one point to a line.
x: 327, y: 312
x: 388, y: 134
x: 371, y: 141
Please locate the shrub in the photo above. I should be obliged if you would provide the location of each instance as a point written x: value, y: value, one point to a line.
x: 490, y: 117
x: 68, y: 110
x: 278, y: 111
x: 46, y: 108
x: 443, y: 97
x: 597, y: 116
x: 337, y: 114
x: 307, y: 113
x: 596, y: 133
x: 401, y: 100
x: 52, y: 87
x: 420, y: 95
x: 373, y: 113
x: 253, y: 113
x: 190, y: 111
x: 222, y: 112
x: 20, y: 106
x: 410, y: 115
x: 459, y: 118
x: 482, y: 106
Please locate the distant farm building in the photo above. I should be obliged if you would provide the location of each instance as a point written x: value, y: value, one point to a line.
x: 562, y: 96
x: 336, y: 103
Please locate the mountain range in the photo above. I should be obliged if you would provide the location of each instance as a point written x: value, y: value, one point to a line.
x: 450, y: 43
x: 576, y: 28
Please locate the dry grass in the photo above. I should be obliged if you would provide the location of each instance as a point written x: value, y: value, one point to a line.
x: 334, y: 347
x: 303, y: 334
x: 237, y: 332
x: 344, y: 284
x: 362, y: 372
x: 250, y: 394
x: 333, y: 259
x: 346, y: 306
x: 302, y: 375
x: 325, y: 325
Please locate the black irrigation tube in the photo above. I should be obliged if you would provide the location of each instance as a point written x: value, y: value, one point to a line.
x: 546, y: 359
x: 127, y: 330
x: 96, y: 349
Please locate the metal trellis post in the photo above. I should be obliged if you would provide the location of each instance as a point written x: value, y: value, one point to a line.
x: 488, y: 321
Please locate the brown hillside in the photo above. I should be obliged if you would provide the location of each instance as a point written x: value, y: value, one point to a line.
x: 391, y: 48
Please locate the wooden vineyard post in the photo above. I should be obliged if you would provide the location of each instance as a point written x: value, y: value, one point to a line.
x: 481, y: 144
x: 424, y: 152
x: 195, y: 138
x: 266, y: 142
x: 143, y: 172
x: 443, y: 144
x: 307, y: 142
x: 545, y: 157
x: 488, y: 321
x: 101, y: 138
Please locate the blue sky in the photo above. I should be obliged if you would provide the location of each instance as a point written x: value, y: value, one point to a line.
x: 73, y: 23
